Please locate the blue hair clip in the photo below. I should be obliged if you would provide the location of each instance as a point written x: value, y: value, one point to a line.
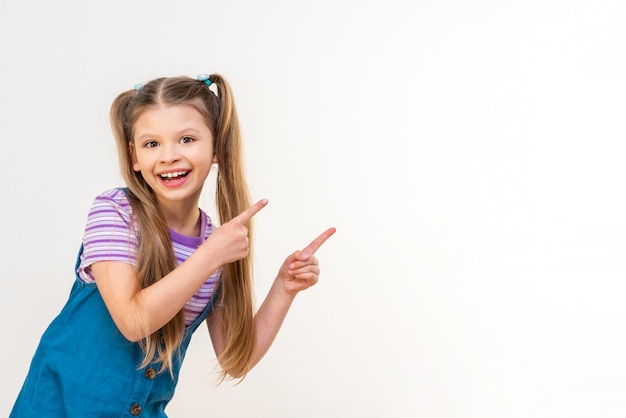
x: 138, y: 87
x: 205, y: 79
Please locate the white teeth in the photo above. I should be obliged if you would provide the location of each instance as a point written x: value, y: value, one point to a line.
x: 173, y: 174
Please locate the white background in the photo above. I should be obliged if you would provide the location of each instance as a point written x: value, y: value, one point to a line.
x: 470, y: 154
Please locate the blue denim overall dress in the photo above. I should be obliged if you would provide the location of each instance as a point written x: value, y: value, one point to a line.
x: 85, y: 368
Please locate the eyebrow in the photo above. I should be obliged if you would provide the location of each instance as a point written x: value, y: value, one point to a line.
x: 177, y: 134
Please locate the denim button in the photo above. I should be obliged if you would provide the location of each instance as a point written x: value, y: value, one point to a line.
x: 135, y: 410
x: 150, y: 373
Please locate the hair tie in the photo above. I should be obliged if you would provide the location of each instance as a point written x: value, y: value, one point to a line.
x: 138, y: 87
x: 205, y: 79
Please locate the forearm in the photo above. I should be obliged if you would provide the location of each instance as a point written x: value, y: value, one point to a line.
x: 227, y: 244
x: 298, y: 272
x: 269, y: 318
x: 164, y: 299
x: 140, y: 312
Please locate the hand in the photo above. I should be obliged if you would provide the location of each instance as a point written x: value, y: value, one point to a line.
x: 300, y: 270
x: 230, y: 241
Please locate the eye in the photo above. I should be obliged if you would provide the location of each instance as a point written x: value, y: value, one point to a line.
x: 150, y: 144
x: 186, y: 139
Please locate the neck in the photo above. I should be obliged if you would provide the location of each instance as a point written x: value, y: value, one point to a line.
x: 182, y: 218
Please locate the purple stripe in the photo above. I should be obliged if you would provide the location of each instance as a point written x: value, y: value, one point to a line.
x: 95, y: 242
x: 105, y: 226
x: 90, y: 259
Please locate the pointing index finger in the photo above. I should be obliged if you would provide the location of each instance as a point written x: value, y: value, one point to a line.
x: 317, y: 242
x: 247, y: 214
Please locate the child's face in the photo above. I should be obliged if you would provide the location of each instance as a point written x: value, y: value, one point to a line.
x: 173, y: 149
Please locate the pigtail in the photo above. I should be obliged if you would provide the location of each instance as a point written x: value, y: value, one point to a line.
x: 232, y: 198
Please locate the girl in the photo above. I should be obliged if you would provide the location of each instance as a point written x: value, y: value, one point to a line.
x: 152, y: 267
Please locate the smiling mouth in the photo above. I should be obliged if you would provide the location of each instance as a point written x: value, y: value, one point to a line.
x: 173, y: 175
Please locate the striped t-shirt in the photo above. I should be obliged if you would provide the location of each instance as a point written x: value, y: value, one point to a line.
x: 111, y: 235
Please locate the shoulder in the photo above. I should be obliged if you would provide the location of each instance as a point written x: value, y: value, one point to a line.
x: 110, y: 233
x: 115, y: 197
x: 111, y: 201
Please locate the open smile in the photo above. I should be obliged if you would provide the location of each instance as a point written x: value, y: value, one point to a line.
x: 173, y: 176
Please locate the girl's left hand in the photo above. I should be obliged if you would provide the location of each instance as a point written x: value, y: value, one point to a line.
x: 300, y: 270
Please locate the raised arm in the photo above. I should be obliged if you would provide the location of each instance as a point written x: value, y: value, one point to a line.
x: 299, y: 271
x: 158, y: 303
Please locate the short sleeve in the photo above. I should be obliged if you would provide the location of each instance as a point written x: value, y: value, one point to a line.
x: 110, y: 233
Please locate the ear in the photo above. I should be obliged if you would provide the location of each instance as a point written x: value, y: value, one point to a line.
x: 215, y: 158
x: 133, y: 156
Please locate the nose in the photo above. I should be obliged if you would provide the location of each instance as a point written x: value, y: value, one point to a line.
x: 169, y: 153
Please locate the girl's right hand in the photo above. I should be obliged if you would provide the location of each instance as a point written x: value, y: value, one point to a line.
x: 230, y: 242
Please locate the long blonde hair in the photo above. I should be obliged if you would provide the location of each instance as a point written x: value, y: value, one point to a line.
x: 155, y: 256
